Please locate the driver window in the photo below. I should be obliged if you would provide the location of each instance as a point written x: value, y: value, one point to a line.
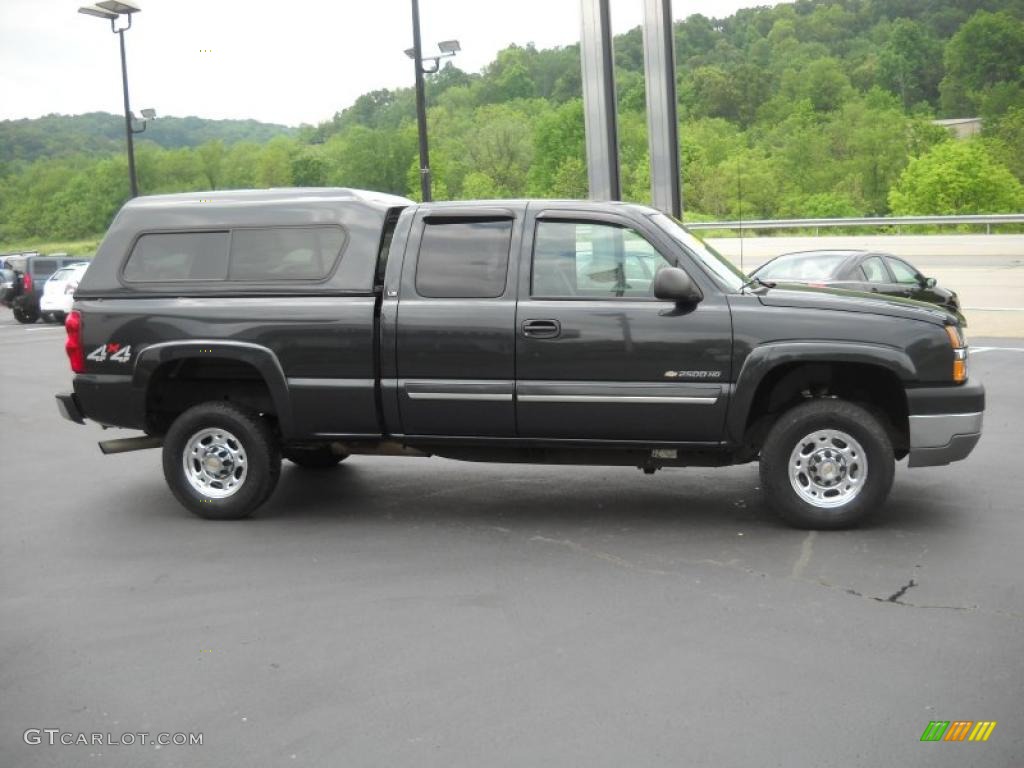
x: 902, y: 271
x: 592, y: 260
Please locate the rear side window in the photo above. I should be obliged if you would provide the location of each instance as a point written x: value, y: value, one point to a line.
x: 61, y: 274
x: 266, y: 254
x: 874, y: 270
x: 43, y: 267
x: 171, y: 257
x: 464, y: 259
x: 284, y: 253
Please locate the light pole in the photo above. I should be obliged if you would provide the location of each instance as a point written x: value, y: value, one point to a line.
x: 112, y: 10
x: 447, y: 48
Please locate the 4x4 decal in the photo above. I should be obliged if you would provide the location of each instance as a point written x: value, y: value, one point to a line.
x: 115, y: 353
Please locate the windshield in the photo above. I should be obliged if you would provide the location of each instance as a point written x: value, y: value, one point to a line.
x: 720, y: 267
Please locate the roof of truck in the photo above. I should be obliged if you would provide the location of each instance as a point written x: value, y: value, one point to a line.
x: 265, y: 196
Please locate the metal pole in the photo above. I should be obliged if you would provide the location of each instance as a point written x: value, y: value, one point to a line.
x: 421, y: 104
x: 599, y: 106
x: 128, y: 118
x: 662, y: 119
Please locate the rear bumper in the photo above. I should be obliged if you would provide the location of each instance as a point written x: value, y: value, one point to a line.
x: 55, y: 303
x: 945, y: 423
x: 68, y: 406
x: 106, y: 399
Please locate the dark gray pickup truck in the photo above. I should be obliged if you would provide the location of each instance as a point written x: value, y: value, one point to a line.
x: 237, y: 328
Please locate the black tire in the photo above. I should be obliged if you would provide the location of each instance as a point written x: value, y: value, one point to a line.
x: 874, y: 464
x: 25, y: 316
x: 60, y: 317
x: 321, y: 457
x: 252, y: 434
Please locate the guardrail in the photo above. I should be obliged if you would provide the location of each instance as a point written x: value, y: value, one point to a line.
x: 869, y: 221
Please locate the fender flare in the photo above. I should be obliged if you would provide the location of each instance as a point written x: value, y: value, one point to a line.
x: 763, y: 359
x: 259, y: 357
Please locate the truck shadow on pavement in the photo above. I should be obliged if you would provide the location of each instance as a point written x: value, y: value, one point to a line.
x: 470, y: 494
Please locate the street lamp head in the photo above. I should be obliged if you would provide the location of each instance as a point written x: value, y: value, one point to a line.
x: 93, y: 10
x: 410, y: 52
x: 449, y: 46
x: 118, y: 7
x: 149, y: 114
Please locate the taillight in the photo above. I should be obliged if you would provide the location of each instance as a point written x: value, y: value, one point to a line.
x: 70, y: 289
x: 73, y: 345
x: 26, y: 282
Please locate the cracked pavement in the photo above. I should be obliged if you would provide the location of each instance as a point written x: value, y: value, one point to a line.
x: 426, y: 612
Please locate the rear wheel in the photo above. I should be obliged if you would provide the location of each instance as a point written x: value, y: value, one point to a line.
x: 321, y: 457
x: 827, y: 464
x: 25, y: 316
x: 221, y: 461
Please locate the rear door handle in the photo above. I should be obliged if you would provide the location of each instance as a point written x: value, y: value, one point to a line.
x: 541, y: 329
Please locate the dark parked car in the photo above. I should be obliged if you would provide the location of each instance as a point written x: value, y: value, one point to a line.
x: 7, y: 281
x: 857, y: 271
x: 30, y: 271
x: 237, y: 328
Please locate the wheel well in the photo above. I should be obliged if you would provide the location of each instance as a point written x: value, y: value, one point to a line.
x: 872, y: 386
x: 177, y: 385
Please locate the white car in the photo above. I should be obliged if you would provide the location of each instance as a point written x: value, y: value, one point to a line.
x: 59, y: 292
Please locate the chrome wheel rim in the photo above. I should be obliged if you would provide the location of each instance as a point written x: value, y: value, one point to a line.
x: 215, y: 463
x: 828, y: 468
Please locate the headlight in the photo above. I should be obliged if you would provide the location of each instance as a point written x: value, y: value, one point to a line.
x: 958, y: 342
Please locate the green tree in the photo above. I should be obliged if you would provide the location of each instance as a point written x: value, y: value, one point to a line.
x: 238, y: 170
x: 211, y: 159
x: 480, y: 186
x: 570, y: 180
x: 274, y: 167
x: 956, y: 177
x: 988, y: 49
x: 910, y: 64
x: 501, y: 148
x: 309, y: 167
x: 1005, y: 138
x: 557, y: 137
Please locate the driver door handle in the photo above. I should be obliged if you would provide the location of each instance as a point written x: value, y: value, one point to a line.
x: 541, y: 329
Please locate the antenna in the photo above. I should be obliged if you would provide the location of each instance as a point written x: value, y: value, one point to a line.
x: 739, y: 202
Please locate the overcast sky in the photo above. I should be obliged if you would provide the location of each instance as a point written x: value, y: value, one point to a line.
x: 260, y: 59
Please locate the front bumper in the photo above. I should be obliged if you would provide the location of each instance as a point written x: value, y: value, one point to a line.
x: 945, y: 423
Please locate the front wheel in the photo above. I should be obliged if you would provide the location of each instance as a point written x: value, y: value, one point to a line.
x: 827, y: 464
x: 221, y: 461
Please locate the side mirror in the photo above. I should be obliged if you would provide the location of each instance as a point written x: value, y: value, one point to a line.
x: 673, y: 284
x: 928, y: 282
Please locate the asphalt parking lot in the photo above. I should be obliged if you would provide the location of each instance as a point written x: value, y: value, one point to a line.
x: 426, y: 612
